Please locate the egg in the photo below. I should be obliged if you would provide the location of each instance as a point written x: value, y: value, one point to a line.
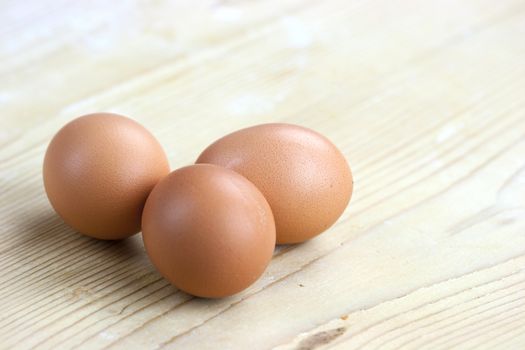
x: 303, y: 176
x: 98, y: 171
x: 208, y: 230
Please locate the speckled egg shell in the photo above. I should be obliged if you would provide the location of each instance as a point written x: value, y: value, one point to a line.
x: 304, y: 177
x: 208, y: 230
x: 98, y: 171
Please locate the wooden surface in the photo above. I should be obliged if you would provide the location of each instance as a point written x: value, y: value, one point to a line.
x: 425, y: 98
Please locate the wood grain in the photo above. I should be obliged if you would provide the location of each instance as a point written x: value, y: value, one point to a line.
x: 425, y: 99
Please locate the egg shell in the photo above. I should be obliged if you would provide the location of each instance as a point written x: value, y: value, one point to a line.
x: 208, y: 230
x: 303, y: 176
x: 98, y: 171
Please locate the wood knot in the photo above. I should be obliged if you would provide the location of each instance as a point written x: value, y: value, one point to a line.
x: 321, y: 338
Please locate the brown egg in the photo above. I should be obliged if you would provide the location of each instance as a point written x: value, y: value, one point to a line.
x: 304, y: 177
x: 208, y: 230
x: 98, y: 171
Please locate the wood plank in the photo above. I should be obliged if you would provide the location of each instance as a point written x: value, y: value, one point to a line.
x: 425, y: 100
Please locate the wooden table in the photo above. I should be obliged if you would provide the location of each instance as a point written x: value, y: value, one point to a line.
x: 425, y: 98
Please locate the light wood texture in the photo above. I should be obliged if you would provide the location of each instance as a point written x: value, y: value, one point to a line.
x: 425, y: 98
